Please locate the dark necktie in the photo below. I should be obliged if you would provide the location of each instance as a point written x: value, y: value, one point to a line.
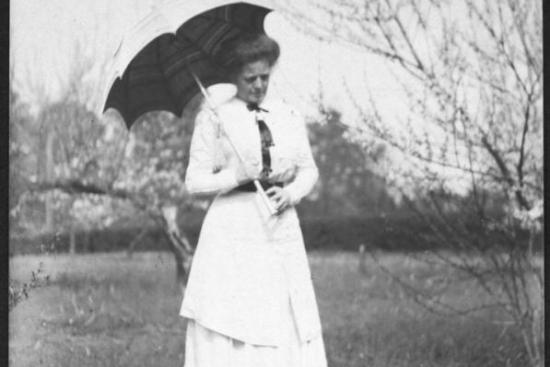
x: 266, y: 140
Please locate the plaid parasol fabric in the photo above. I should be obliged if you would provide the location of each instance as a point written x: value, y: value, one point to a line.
x: 159, y: 76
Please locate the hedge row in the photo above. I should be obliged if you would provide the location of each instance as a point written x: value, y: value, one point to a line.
x: 319, y: 233
x: 348, y: 233
x: 344, y: 233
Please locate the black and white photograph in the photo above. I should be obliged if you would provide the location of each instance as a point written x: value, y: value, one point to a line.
x: 276, y: 183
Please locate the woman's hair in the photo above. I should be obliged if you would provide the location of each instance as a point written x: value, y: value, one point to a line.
x: 235, y: 53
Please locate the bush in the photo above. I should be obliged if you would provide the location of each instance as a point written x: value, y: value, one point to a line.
x: 390, y: 233
x: 347, y: 233
x: 111, y: 239
x: 326, y: 233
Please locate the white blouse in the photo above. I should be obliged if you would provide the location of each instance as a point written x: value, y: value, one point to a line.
x: 291, y: 159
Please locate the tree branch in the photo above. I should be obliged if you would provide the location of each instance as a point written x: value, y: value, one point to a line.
x: 505, y: 173
x: 405, y: 35
x: 520, y: 164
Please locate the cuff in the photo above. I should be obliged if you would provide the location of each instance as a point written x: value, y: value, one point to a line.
x: 227, y: 179
x: 294, y: 199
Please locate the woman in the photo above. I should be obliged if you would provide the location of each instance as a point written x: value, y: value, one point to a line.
x: 249, y: 298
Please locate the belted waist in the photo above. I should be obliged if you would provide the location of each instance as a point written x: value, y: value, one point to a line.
x: 250, y: 187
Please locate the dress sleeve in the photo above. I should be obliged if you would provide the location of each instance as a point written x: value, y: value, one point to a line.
x: 203, y: 177
x: 307, y: 172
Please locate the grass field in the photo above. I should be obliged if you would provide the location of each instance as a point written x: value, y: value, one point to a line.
x: 110, y: 310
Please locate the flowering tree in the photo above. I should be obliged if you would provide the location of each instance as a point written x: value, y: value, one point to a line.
x: 101, y: 175
x: 21, y: 141
x: 469, y: 147
x: 89, y: 172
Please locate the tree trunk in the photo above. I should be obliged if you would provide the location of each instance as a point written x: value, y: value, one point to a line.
x: 72, y: 242
x: 363, y: 260
x: 135, y: 241
x: 85, y: 242
x: 183, y: 257
x: 179, y: 245
x: 49, y: 175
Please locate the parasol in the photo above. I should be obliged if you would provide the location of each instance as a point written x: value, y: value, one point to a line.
x: 170, y: 56
x: 158, y: 61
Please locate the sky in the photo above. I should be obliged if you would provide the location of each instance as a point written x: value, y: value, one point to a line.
x: 44, y: 33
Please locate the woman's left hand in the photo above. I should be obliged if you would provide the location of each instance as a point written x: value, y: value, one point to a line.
x: 280, y: 197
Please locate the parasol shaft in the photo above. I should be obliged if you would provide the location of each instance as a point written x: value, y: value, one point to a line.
x: 257, y: 184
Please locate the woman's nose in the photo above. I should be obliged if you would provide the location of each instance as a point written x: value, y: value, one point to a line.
x: 257, y: 83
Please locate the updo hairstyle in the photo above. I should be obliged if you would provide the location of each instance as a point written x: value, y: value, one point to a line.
x: 251, y: 47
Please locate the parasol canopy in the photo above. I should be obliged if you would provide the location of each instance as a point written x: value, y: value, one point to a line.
x: 155, y: 66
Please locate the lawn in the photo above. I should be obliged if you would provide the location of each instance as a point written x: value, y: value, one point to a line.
x: 110, y: 310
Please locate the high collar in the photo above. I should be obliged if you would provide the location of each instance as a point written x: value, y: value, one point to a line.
x: 255, y: 107
x: 265, y: 106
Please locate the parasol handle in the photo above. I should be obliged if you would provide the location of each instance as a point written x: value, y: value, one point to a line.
x: 259, y: 188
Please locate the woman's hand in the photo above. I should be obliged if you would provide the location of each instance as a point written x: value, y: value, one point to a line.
x: 280, y: 197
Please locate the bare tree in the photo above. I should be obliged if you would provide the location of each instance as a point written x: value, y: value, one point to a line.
x: 472, y: 72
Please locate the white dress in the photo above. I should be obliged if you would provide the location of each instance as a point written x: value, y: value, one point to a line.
x: 249, y: 298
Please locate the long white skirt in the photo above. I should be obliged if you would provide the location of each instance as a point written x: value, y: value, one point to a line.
x: 207, y: 348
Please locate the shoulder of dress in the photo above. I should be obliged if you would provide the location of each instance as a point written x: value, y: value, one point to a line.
x: 282, y: 106
x: 230, y: 106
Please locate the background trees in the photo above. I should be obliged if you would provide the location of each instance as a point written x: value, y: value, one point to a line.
x: 467, y: 150
x: 348, y: 179
x: 20, y: 147
x: 85, y: 172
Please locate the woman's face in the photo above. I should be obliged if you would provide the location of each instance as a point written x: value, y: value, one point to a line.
x: 252, y: 81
